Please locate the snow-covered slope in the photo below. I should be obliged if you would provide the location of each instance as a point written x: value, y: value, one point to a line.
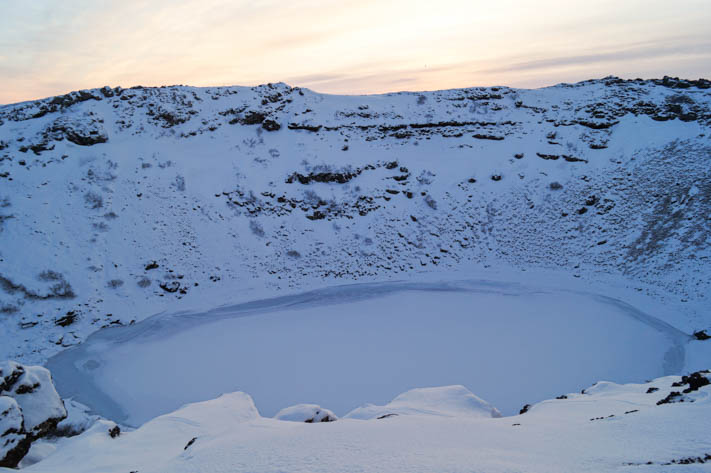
x: 608, y: 427
x: 116, y: 204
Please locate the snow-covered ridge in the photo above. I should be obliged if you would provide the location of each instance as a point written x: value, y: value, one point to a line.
x: 119, y: 203
x: 450, y: 401
x: 608, y: 427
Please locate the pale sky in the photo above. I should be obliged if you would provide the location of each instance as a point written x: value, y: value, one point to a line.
x: 347, y: 47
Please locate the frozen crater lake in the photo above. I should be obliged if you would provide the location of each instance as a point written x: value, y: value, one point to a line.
x: 345, y: 346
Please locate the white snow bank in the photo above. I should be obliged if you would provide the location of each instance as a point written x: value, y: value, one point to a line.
x: 78, y: 418
x: 310, y: 413
x: 156, y: 442
x: 614, y: 428
x: 230, y: 409
x: 452, y: 401
x: 39, y: 450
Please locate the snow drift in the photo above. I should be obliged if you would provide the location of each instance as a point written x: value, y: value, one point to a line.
x: 618, y: 428
x: 452, y: 401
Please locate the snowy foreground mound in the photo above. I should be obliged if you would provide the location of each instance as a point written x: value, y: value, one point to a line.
x: 308, y: 413
x: 454, y: 401
x: 650, y: 427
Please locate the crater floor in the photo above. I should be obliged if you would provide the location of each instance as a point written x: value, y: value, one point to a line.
x: 510, y: 343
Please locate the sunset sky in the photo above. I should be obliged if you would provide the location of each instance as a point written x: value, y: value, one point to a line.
x: 52, y: 47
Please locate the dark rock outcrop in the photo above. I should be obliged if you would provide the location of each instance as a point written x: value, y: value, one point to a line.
x: 701, y: 335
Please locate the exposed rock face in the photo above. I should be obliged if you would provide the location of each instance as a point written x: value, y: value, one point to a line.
x: 694, y: 381
x: 701, y: 335
x: 30, y: 408
x: 270, y: 125
x: 83, y: 131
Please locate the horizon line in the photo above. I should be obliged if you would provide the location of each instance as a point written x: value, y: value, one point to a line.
x: 402, y: 91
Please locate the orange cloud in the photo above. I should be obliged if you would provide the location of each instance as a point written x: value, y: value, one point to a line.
x: 49, y: 47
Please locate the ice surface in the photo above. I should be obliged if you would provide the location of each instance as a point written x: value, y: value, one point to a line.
x: 346, y: 346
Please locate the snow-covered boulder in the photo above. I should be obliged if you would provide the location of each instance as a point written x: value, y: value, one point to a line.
x: 29, y: 409
x: 449, y: 401
x: 32, y: 388
x: 309, y: 413
x: 14, y: 441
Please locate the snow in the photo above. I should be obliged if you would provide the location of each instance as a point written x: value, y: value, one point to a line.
x: 11, y: 427
x: 306, y: 413
x: 155, y: 440
x: 231, y: 408
x: 39, y: 450
x: 35, y: 394
x: 504, y: 243
x: 12, y: 414
x: 511, y: 343
x: 96, y: 215
x: 452, y: 401
x: 78, y: 418
x: 629, y: 430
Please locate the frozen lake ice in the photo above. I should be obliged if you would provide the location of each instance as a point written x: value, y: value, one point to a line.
x: 344, y: 346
